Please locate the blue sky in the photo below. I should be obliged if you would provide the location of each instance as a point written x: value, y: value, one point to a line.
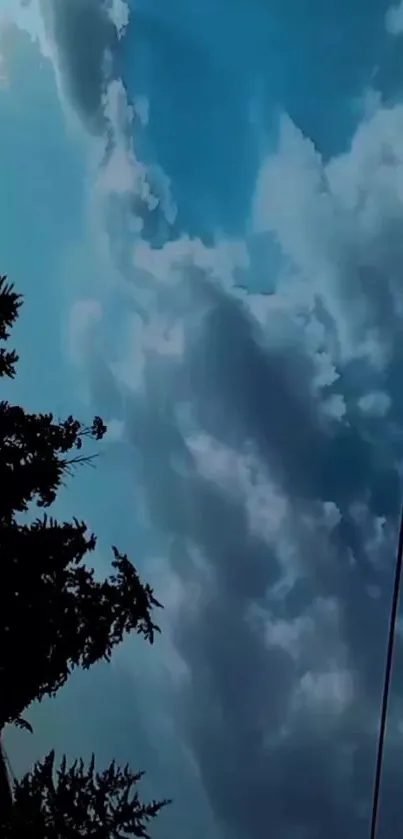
x: 203, y: 205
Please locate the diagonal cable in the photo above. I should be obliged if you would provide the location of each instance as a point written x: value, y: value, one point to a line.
x: 386, y: 683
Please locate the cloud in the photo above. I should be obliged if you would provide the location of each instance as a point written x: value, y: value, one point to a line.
x: 394, y: 19
x: 276, y: 666
x: 83, y: 34
x: 278, y: 504
x: 278, y: 495
x: 253, y: 412
x: 336, y: 223
x: 119, y: 14
x: 251, y: 417
x: 376, y: 404
x: 241, y: 476
x: 115, y: 431
x: 80, y: 40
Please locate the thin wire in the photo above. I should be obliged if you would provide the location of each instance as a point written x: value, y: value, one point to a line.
x: 386, y: 683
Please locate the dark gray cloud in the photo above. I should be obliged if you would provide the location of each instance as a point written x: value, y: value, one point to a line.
x: 314, y: 777
x: 87, y: 56
x: 82, y: 32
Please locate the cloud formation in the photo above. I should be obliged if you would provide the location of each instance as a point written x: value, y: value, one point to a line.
x: 283, y: 629
x: 263, y: 420
x: 83, y: 34
x: 272, y: 628
x: 283, y: 621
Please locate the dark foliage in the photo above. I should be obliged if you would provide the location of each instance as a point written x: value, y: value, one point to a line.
x: 56, y: 616
x: 76, y: 801
x: 10, y: 303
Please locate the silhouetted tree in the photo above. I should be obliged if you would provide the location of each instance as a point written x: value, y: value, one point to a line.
x: 54, y: 614
x: 73, y: 802
x: 10, y: 303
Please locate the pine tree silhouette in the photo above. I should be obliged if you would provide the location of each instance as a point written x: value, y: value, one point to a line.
x: 55, y: 616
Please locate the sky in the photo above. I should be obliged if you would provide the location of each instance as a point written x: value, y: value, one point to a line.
x: 202, y: 204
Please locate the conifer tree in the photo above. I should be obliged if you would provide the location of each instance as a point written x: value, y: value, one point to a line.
x: 56, y: 616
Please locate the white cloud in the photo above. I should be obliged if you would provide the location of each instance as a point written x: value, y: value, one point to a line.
x: 119, y: 13
x: 394, y: 20
x: 315, y: 641
x: 138, y: 339
x: 311, y: 637
x: 336, y: 225
x: 299, y: 532
x: 27, y: 16
x: 167, y: 264
x: 292, y: 201
x: 375, y: 404
x: 241, y: 475
x: 335, y: 406
x: 325, y: 217
x: 115, y: 431
x: 122, y: 172
x: 331, y: 514
x: 331, y: 691
x: 377, y: 533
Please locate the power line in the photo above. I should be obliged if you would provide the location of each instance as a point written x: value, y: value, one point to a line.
x: 386, y: 683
